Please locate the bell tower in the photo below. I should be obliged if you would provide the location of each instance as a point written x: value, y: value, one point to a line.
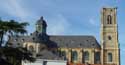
x: 41, y: 26
x: 109, y: 37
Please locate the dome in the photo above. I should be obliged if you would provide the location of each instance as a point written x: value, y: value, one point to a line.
x: 41, y: 21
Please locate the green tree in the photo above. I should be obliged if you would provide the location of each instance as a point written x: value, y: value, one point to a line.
x: 13, y: 56
x: 16, y: 55
x: 11, y: 27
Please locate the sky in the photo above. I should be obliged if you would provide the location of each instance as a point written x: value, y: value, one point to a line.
x: 65, y: 17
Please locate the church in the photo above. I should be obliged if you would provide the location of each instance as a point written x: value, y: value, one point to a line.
x: 76, y: 50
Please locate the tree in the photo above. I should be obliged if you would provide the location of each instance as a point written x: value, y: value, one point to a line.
x: 11, y: 27
x: 13, y: 55
x: 16, y: 55
x: 3, y: 29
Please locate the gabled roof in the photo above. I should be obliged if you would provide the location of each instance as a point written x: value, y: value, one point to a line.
x: 75, y: 41
x: 58, y: 41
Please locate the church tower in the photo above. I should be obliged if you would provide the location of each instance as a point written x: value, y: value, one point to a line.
x: 41, y: 26
x: 109, y: 37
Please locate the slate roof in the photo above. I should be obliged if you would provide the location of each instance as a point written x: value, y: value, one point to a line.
x: 75, y: 41
x: 58, y: 41
x: 46, y: 54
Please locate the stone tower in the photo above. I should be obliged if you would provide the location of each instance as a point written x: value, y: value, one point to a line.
x: 109, y: 37
x: 41, y: 26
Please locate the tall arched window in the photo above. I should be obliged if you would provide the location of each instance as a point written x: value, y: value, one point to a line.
x: 97, y: 57
x: 86, y: 55
x: 109, y: 19
x: 109, y: 57
x: 74, y: 56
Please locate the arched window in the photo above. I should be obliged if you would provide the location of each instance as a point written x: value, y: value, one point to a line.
x: 97, y: 57
x: 63, y: 54
x: 86, y: 55
x: 31, y: 48
x: 74, y: 56
x: 109, y: 57
x: 109, y: 19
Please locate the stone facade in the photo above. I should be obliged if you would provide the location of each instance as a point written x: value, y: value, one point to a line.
x: 109, y: 36
x: 78, y: 50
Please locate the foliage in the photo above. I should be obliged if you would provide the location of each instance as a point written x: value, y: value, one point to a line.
x: 11, y: 27
x: 13, y: 56
x: 16, y: 55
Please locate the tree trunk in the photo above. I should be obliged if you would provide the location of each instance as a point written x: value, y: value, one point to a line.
x: 1, y: 39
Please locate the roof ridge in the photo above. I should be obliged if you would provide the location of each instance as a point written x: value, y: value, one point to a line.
x: 73, y: 35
